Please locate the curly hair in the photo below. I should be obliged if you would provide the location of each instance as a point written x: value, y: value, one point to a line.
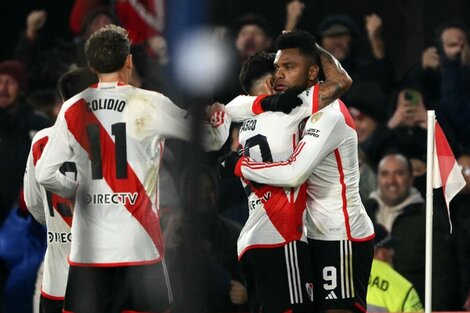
x: 107, y: 49
x: 299, y: 39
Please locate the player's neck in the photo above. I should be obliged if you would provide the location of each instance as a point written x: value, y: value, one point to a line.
x: 120, y: 76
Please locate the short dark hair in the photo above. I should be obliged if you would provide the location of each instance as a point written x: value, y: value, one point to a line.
x: 254, y: 68
x: 397, y: 153
x: 252, y: 19
x: 107, y: 49
x: 454, y: 23
x: 302, y: 40
x: 75, y: 81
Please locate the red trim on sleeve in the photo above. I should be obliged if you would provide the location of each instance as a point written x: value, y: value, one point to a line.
x: 316, y: 99
x: 256, y: 107
x: 38, y: 148
x: 238, y: 167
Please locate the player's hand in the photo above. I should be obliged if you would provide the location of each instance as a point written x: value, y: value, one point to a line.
x: 284, y: 102
x: 238, y: 293
x: 227, y: 165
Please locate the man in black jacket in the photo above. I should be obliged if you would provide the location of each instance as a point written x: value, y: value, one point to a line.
x: 401, y: 209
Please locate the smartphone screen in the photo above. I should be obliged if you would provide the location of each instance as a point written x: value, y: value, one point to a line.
x: 412, y: 96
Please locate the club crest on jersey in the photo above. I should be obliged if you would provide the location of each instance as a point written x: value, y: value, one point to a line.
x: 316, y: 117
x: 309, y: 288
x: 121, y: 198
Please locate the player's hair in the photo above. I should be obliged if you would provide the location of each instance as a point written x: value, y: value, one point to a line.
x: 107, y: 49
x: 75, y: 81
x: 302, y: 40
x: 254, y: 68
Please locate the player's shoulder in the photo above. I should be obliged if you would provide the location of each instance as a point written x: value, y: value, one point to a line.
x: 151, y: 96
x: 45, y: 132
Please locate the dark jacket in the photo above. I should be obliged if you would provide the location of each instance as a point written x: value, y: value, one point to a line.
x: 16, y: 132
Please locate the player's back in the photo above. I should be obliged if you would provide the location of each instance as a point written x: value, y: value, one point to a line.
x: 275, y: 214
x: 115, y: 134
x: 335, y: 209
x: 57, y: 214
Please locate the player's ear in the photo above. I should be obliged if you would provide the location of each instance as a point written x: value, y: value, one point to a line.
x: 129, y: 64
x: 313, y: 72
x: 269, y: 84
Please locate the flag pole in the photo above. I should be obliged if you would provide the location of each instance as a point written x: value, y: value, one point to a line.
x: 429, y: 212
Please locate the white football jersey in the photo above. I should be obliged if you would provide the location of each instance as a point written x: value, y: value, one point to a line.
x: 276, y: 214
x: 327, y: 159
x: 56, y: 213
x: 115, y: 134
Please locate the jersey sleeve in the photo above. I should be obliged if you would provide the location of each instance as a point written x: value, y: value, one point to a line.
x: 170, y: 121
x: 320, y: 139
x: 32, y: 191
x: 216, y: 132
x: 244, y: 107
x: 241, y: 108
x: 412, y: 302
x: 57, y: 151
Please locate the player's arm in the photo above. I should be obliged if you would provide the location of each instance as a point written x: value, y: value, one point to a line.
x: 320, y: 139
x: 337, y: 80
x: 32, y: 191
x: 57, y: 151
x: 244, y: 107
x: 170, y: 121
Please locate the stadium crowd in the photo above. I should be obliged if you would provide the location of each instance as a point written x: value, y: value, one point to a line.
x: 201, y: 214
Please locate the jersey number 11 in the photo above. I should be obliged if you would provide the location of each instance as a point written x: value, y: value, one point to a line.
x: 120, y: 150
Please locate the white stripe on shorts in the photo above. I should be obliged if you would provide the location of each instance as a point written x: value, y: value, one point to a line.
x: 293, y: 273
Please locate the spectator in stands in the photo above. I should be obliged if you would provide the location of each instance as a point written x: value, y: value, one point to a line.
x: 389, y: 291
x: 338, y: 33
x: 18, y: 123
x: 202, y: 250
x: 442, y: 75
x: 366, y: 104
x: 399, y: 207
x: 407, y: 124
x: 252, y: 34
x: 45, y: 58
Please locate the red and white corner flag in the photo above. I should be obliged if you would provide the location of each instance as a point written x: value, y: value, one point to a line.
x: 442, y: 171
x: 446, y: 171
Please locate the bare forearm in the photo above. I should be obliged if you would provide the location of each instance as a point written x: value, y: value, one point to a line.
x: 337, y: 80
x: 377, y: 46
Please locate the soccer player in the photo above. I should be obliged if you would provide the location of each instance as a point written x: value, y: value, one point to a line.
x: 272, y: 246
x: 52, y: 210
x: 115, y: 135
x: 340, y: 234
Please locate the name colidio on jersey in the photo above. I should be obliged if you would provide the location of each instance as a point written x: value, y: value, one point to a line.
x: 120, y: 198
x: 106, y: 104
